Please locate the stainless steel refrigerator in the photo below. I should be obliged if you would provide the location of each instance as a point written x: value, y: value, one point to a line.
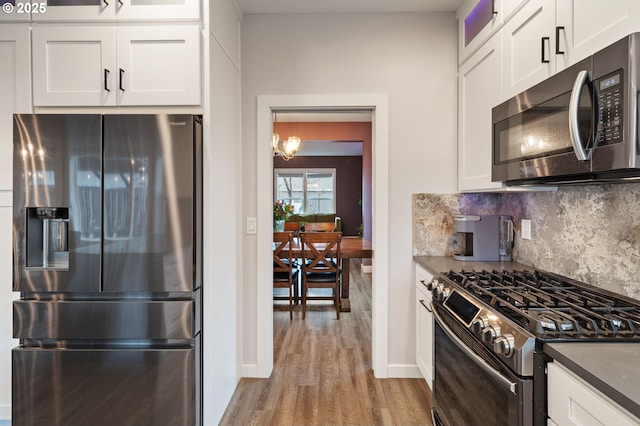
x: 107, y: 259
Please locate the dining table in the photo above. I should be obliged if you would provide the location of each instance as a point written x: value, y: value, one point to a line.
x: 351, y: 247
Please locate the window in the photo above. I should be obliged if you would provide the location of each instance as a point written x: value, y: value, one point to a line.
x: 309, y: 190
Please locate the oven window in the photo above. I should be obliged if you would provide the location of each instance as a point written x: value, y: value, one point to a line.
x: 464, y: 394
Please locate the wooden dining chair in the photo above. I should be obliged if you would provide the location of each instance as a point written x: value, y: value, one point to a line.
x: 319, y: 227
x: 285, y: 271
x: 293, y: 227
x: 321, y: 267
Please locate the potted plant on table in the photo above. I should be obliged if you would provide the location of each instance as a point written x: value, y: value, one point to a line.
x: 281, y: 213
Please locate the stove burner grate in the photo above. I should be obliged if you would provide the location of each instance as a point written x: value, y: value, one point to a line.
x: 551, y: 306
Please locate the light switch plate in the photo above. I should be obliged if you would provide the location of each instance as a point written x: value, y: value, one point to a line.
x: 525, y: 229
x: 252, y: 225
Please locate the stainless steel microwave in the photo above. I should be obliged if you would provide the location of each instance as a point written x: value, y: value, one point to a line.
x: 580, y: 125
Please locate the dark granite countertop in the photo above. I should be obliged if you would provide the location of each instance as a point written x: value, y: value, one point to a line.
x: 612, y: 368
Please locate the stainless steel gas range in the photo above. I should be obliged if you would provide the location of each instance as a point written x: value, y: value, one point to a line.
x: 490, y: 327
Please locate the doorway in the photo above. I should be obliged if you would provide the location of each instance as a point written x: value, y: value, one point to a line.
x: 378, y: 105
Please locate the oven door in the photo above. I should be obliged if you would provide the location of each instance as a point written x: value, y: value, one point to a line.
x: 471, y: 387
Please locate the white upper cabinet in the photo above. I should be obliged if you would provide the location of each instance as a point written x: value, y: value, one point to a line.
x: 158, y: 65
x: 586, y: 26
x: 119, y: 10
x: 74, y: 66
x: 15, y: 86
x: 106, y: 66
x: 529, y: 47
x: 546, y: 36
x: 479, y: 90
x: 478, y: 20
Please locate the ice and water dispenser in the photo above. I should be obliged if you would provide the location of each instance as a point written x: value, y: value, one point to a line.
x: 48, y: 238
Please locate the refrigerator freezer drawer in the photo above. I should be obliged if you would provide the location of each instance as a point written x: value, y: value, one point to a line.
x: 101, y: 320
x: 105, y: 387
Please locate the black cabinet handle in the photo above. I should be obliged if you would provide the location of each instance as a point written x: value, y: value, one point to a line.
x: 542, y: 49
x: 121, y: 79
x: 493, y: 7
x: 106, y: 80
x: 425, y: 305
x: 106, y: 3
x: 558, y: 51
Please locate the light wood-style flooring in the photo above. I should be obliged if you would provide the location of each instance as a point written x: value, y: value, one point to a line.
x: 322, y: 373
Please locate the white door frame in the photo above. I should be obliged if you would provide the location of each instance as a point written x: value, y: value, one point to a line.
x: 378, y: 105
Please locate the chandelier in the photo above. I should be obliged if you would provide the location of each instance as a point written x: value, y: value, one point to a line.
x: 289, y: 147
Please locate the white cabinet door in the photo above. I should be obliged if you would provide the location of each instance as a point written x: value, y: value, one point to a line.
x: 479, y: 89
x: 107, y: 66
x: 529, y: 47
x: 590, y: 25
x: 15, y: 86
x: 78, y: 10
x: 158, y: 10
x: 573, y: 402
x: 119, y: 10
x: 503, y: 10
x: 74, y: 66
x: 424, y: 325
x: 159, y: 65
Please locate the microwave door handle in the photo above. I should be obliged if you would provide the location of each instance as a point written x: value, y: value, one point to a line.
x: 474, y: 357
x: 574, y: 106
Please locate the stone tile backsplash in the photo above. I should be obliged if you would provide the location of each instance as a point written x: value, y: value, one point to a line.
x: 589, y: 233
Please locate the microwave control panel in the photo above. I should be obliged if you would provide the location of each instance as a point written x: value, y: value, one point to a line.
x: 610, y: 98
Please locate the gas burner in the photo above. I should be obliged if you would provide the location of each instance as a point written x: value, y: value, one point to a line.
x: 551, y: 306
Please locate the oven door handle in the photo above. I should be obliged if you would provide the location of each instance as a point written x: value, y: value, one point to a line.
x: 478, y: 360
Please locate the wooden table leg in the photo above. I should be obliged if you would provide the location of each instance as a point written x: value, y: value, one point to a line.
x: 345, y: 303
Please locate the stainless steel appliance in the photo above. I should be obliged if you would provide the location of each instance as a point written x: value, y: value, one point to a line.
x: 107, y: 260
x: 579, y: 125
x: 490, y: 328
x: 485, y: 238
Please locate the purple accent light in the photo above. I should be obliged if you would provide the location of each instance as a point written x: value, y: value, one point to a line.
x: 479, y: 17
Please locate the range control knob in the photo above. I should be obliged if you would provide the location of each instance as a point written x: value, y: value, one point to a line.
x: 438, y: 288
x: 504, y: 345
x: 490, y: 333
x: 434, y: 282
x: 478, y: 324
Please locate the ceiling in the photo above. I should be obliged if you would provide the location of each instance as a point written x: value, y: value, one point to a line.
x: 347, y: 6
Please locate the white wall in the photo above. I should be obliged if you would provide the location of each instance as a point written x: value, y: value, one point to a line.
x: 409, y: 57
x: 222, y: 209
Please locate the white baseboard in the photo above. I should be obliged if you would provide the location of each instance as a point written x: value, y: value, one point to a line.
x: 248, y: 370
x: 400, y: 371
x: 366, y: 269
x: 5, y: 413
